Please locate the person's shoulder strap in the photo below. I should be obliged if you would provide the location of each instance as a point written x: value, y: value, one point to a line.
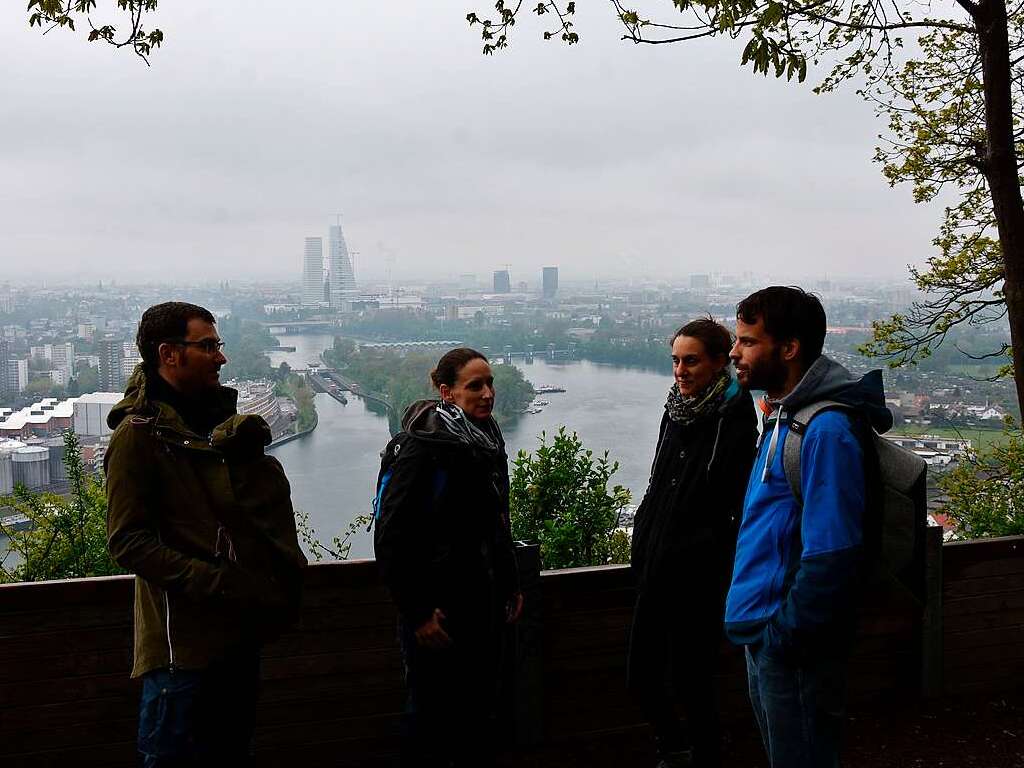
x: 794, y: 440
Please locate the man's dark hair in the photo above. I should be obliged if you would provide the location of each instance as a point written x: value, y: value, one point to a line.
x: 166, y: 322
x: 788, y: 312
x: 715, y: 337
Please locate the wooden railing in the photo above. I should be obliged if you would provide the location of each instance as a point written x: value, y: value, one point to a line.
x: 983, y: 615
x: 333, y: 692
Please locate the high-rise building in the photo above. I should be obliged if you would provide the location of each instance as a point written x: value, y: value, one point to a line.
x: 16, y: 376
x: 5, y: 353
x: 550, y: 276
x: 62, y: 356
x: 130, y: 357
x: 313, y: 272
x: 502, y: 282
x: 343, y: 278
x: 111, y: 353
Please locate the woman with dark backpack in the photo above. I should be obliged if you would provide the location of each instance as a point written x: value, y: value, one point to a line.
x: 684, y: 537
x: 444, y: 548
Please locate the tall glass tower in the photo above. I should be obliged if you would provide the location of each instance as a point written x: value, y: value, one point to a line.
x: 313, y: 272
x: 550, y: 282
x: 343, y: 279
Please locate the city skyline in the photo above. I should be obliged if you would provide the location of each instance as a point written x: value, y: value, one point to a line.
x: 220, y: 163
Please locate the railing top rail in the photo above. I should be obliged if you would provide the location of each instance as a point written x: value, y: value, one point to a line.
x: 994, y: 541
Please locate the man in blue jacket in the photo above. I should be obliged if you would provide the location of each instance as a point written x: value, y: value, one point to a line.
x: 792, y: 602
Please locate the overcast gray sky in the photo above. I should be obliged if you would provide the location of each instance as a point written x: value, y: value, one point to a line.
x: 260, y: 120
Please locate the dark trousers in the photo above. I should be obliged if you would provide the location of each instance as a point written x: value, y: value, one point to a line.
x: 450, y: 715
x: 200, y: 718
x: 799, y: 706
x: 673, y: 656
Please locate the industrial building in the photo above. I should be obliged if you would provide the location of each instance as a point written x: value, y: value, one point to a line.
x: 32, y: 467
x: 7, y: 449
x: 91, y: 411
x: 45, y: 418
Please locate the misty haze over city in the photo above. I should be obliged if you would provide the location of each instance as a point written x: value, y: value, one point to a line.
x: 367, y: 399
x: 257, y: 124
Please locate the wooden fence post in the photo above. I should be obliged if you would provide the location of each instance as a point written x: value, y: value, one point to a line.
x: 931, y: 620
x: 526, y: 654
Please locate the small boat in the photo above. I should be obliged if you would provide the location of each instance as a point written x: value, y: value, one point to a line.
x: 545, y: 389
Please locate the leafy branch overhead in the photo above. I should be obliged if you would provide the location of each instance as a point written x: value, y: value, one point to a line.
x: 951, y: 97
x: 49, y: 15
x: 495, y: 33
x: 781, y: 35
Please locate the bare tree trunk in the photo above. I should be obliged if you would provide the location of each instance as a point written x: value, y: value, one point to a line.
x: 1000, y: 166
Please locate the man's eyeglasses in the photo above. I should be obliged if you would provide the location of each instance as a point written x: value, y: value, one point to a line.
x: 209, y: 346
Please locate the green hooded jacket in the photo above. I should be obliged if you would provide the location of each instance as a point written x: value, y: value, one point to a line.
x: 206, y: 524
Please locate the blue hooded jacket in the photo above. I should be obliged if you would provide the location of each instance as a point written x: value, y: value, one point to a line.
x: 796, y: 569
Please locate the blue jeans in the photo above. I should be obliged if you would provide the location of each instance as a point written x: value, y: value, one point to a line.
x: 200, y: 718
x: 799, y: 705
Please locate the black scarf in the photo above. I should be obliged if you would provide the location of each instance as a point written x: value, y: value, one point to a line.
x: 200, y: 414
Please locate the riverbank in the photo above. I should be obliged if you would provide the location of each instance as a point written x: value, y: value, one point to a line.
x: 400, y: 379
x: 298, y: 390
x: 284, y: 439
x: 333, y: 471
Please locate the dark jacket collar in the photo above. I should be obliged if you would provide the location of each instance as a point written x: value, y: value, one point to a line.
x: 144, y: 396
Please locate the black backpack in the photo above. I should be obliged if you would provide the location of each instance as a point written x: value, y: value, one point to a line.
x: 388, y: 457
x: 897, y: 511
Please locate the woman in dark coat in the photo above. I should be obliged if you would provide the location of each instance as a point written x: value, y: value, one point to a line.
x: 444, y: 547
x: 684, y: 537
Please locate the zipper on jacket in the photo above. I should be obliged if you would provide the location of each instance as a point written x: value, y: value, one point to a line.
x: 714, y: 448
x: 170, y: 645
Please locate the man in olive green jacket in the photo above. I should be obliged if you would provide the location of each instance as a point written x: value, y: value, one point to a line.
x: 204, y: 519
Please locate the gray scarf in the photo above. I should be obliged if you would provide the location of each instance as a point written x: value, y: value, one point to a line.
x: 458, y: 424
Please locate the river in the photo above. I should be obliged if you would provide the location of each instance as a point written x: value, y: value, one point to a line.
x: 334, y: 469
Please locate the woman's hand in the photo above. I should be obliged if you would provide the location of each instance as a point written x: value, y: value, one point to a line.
x: 430, y: 634
x: 514, y: 609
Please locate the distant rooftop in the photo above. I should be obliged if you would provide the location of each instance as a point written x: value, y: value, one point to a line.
x: 111, y: 398
x: 40, y: 413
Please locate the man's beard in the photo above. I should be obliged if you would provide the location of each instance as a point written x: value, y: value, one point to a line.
x: 768, y: 375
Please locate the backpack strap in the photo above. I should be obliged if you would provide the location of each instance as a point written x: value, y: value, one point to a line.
x: 794, y: 440
x: 388, y: 458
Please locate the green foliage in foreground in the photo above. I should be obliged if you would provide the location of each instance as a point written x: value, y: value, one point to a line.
x: 986, y: 492
x: 560, y: 499
x: 67, y: 537
x: 340, y: 547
